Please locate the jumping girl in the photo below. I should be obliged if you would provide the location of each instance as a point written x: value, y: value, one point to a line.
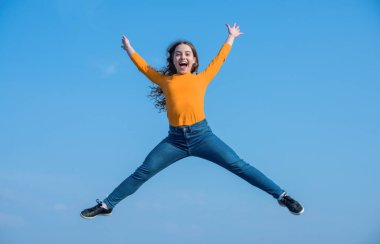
x: 180, y: 91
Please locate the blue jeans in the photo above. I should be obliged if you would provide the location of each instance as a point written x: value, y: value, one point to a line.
x: 194, y: 140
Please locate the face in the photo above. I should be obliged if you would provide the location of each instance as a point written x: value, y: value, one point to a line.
x: 183, y: 59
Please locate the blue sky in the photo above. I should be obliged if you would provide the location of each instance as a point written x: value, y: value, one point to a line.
x: 298, y: 97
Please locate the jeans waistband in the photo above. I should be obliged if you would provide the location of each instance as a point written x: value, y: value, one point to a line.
x: 189, y: 128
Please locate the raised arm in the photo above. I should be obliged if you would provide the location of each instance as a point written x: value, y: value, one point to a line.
x: 141, y: 64
x: 212, y: 69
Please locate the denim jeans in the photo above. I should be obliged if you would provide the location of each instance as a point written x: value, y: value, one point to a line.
x: 194, y: 140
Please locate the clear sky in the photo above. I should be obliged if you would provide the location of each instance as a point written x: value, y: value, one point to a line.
x: 298, y: 97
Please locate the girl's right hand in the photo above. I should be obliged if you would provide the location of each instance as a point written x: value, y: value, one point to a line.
x: 127, y: 46
x: 125, y: 43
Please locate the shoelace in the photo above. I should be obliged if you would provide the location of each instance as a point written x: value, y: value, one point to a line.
x: 287, y: 199
x: 99, y: 202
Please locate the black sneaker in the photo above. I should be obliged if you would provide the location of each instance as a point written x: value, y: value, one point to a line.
x: 293, y: 206
x: 91, y: 213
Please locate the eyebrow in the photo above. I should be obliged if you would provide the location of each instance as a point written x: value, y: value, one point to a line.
x: 180, y: 51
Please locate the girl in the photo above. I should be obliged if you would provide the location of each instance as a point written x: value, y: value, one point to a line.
x: 180, y: 91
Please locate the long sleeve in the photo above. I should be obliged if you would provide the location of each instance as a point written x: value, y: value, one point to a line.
x: 147, y: 70
x: 212, y: 69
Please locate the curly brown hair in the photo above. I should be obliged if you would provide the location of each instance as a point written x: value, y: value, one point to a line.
x: 156, y: 92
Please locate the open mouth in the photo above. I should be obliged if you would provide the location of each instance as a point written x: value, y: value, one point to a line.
x: 183, y: 64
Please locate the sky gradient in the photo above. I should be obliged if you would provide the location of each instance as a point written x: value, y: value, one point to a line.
x: 298, y: 97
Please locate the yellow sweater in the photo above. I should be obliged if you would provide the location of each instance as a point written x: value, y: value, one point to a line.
x: 184, y: 93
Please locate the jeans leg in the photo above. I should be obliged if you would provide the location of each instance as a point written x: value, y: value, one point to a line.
x: 163, y: 155
x: 215, y: 150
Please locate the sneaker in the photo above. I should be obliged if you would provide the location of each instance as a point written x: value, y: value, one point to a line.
x: 293, y: 206
x: 91, y: 213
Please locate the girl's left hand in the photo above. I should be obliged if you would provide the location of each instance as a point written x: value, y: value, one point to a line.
x: 234, y: 30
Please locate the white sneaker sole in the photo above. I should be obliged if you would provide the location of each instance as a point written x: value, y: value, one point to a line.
x: 303, y: 209
x: 84, y: 217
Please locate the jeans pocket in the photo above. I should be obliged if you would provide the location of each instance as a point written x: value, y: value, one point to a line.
x: 200, y: 131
